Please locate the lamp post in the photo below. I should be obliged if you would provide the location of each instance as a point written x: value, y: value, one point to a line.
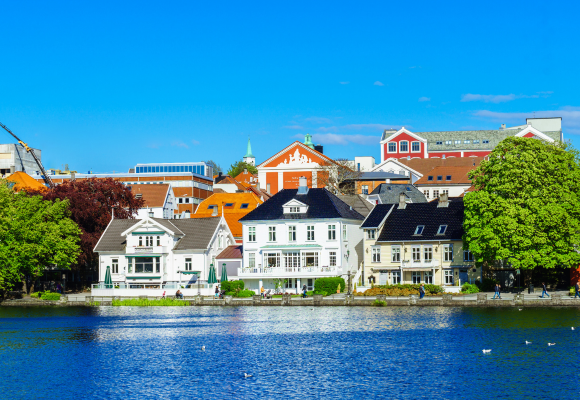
x: 518, y: 274
x: 349, y: 282
x: 63, y: 283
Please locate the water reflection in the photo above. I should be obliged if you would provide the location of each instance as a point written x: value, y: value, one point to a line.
x: 292, y: 352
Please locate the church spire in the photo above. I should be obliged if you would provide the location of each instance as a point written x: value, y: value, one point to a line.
x: 249, y: 157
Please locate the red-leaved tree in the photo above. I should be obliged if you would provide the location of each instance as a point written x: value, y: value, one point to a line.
x: 91, y: 203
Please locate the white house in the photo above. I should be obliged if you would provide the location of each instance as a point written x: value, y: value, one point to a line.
x: 300, y: 235
x: 159, y: 200
x: 157, y: 254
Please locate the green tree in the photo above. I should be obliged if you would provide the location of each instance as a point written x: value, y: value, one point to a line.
x: 216, y: 167
x: 34, y: 234
x: 238, y: 167
x: 526, y: 205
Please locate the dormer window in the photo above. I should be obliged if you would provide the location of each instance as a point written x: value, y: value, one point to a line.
x: 430, y: 178
x: 442, y: 229
x: 228, y: 205
x: 448, y: 177
x: 244, y: 206
x: 294, y: 209
x: 439, y: 177
x: 211, y: 206
x: 419, y: 229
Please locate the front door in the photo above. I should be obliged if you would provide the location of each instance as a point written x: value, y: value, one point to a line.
x: 463, y: 277
x: 383, y: 277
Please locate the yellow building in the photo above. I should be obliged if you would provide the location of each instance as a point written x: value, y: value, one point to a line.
x: 417, y: 243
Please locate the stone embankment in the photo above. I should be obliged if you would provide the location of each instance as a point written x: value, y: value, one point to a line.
x: 447, y: 300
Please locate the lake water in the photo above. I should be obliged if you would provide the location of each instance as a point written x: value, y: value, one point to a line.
x: 291, y: 353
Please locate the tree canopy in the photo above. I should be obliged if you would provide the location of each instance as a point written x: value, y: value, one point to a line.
x: 239, y: 166
x: 339, y: 176
x: 91, y: 204
x: 34, y: 234
x: 526, y: 205
x: 216, y: 167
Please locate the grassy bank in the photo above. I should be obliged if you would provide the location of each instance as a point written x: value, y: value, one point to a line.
x: 151, y: 302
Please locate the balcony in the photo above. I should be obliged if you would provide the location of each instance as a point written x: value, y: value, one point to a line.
x: 147, y: 250
x: 288, y: 272
x: 413, y: 265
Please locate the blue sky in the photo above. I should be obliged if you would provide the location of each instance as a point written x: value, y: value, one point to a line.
x: 106, y: 85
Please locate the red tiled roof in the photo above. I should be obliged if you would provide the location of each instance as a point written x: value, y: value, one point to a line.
x: 230, y: 252
x: 154, y: 194
x: 424, y: 165
x: 458, y: 176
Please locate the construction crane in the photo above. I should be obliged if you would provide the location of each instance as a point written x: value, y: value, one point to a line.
x: 45, y: 176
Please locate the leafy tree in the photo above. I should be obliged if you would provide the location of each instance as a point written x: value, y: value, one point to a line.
x: 238, y: 167
x: 216, y: 167
x: 91, y: 203
x: 526, y: 205
x: 338, y: 176
x: 34, y: 234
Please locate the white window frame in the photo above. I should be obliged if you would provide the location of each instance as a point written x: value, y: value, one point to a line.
x: 416, y: 254
x: 413, y: 144
x: 389, y: 147
x: 332, y: 258
x: 252, y: 260
x: 292, y: 233
x: 344, y: 232
x: 271, y: 234
x: 275, y: 256
x: 416, y: 277
x: 251, y: 234
x: 406, y: 142
x: 435, y: 193
x: 115, y: 266
x: 310, y: 233
x: 428, y: 254
x: 364, y: 189
x: 444, y: 227
x: 396, y: 277
x: 428, y: 277
x: 332, y: 232
x: 426, y: 193
x: 448, y: 252
x: 371, y: 234
x: 395, y: 253
x: 188, y: 264
x: 376, y: 254
x: 448, y: 276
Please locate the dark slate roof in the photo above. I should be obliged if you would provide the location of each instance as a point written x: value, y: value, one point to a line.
x: 389, y: 193
x: 111, y: 240
x: 401, y: 224
x: 377, y: 215
x: 197, y: 232
x: 359, y: 203
x: 321, y: 204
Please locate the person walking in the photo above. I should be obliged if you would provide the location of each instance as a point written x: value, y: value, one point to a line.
x: 544, y: 290
x: 217, y: 291
x: 577, y: 288
x: 304, y: 291
x: 422, y: 291
x: 262, y: 291
x: 497, y: 291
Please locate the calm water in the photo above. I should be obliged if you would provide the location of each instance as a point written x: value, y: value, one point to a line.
x: 292, y: 353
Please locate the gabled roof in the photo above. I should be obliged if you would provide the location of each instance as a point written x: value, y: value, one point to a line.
x: 111, y: 239
x: 389, y: 193
x: 376, y: 217
x: 302, y: 146
x: 398, y: 162
x: 198, y: 232
x: 402, y: 223
x: 359, y: 203
x: 228, y: 180
x: 321, y: 205
x: 458, y: 176
x: 425, y: 165
x: 388, y: 134
x: 154, y: 195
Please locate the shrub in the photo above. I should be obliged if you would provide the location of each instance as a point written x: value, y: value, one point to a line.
x: 148, y: 303
x: 245, y: 293
x: 50, y: 296
x: 328, y: 285
x: 230, y: 293
x: 380, y: 303
x: 401, y: 290
x: 232, y: 286
x: 322, y: 292
x: 36, y: 294
x: 469, y: 288
x: 572, y: 291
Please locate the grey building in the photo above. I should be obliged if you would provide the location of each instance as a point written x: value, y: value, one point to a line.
x: 14, y: 157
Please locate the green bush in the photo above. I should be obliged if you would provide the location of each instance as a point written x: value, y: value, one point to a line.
x: 50, y: 296
x: 36, y: 294
x: 232, y: 286
x: 469, y: 288
x: 380, y: 303
x: 245, y: 293
x: 572, y: 291
x: 322, y: 292
x: 413, y: 288
x: 230, y: 293
x: 328, y: 285
x: 148, y: 303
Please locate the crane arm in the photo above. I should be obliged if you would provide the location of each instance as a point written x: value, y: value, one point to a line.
x: 45, y: 176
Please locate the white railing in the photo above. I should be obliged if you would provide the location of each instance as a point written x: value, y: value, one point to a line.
x: 147, y: 250
x: 288, y: 271
x: 134, y: 286
x: 420, y: 264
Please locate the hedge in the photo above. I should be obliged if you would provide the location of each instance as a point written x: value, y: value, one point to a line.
x: 231, y: 286
x: 469, y: 288
x: 50, y: 296
x: 241, y: 293
x: 329, y: 285
x: 400, y: 290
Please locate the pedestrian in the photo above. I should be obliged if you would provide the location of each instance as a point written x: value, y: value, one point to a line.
x: 262, y: 291
x: 422, y: 291
x: 304, y: 291
x: 497, y: 291
x: 577, y: 287
x: 544, y: 290
x: 58, y: 288
x: 217, y: 291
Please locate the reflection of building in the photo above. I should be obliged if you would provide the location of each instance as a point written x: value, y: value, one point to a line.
x: 417, y: 243
x: 159, y: 201
x: 152, y: 252
x: 282, y: 170
x: 14, y: 158
x: 403, y: 143
x: 299, y: 235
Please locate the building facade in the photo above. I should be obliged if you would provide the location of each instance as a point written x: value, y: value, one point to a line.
x: 403, y: 143
x: 15, y: 158
x: 300, y: 235
x: 452, y: 181
x: 418, y: 243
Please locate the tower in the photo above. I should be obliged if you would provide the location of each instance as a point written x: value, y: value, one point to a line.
x: 249, y: 157
x: 308, y: 141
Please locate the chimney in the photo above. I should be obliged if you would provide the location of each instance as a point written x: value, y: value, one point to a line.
x: 319, y: 148
x: 72, y: 176
x: 302, y: 185
x: 402, y: 202
x: 502, y: 126
x: 151, y: 213
x: 302, y: 181
x: 220, y: 174
x: 258, y: 185
x: 388, y: 180
x: 443, y: 200
x: 214, y: 213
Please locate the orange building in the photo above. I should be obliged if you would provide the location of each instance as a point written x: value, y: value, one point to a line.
x: 232, y: 206
x: 282, y: 170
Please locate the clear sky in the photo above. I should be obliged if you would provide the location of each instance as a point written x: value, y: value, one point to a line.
x: 112, y: 84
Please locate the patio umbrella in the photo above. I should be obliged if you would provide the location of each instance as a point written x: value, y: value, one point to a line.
x: 108, y: 279
x: 212, y: 277
x: 224, y: 273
